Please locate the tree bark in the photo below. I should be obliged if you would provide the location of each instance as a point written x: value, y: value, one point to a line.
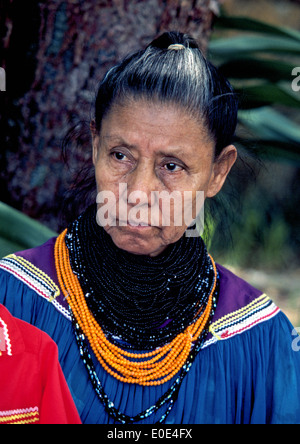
x: 54, y: 53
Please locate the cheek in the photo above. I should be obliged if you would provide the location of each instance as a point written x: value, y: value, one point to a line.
x: 107, y: 197
x: 202, y: 186
x: 192, y: 201
x: 104, y: 179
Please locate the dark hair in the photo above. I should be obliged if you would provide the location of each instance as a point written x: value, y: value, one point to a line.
x: 181, y: 76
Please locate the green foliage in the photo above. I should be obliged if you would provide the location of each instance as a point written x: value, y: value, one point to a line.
x: 20, y: 232
x: 259, y: 58
x: 259, y: 64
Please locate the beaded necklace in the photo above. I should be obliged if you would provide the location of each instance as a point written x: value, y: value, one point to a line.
x: 144, y: 302
x: 151, y: 368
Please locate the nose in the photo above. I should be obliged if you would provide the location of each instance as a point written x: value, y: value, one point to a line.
x: 141, y: 182
x: 136, y: 202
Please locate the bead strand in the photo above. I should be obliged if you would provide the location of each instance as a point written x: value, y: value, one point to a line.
x: 163, y: 305
x: 165, y: 362
x: 171, y: 290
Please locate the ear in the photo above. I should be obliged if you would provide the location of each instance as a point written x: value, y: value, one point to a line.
x: 221, y: 169
x: 95, y: 141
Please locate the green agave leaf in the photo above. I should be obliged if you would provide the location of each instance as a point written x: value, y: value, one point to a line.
x: 274, y: 149
x: 8, y: 247
x: 252, y: 25
x: 254, y: 68
x: 18, y: 231
x: 235, y: 47
x: 266, y: 94
x: 268, y: 124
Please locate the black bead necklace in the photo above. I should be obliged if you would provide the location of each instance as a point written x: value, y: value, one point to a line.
x: 140, y: 302
x: 186, y: 286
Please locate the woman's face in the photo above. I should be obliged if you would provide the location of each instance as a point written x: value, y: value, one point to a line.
x: 145, y: 152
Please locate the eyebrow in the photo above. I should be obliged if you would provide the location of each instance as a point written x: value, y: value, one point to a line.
x: 175, y: 152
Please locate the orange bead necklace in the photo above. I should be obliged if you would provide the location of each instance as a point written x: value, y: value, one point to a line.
x: 146, y: 369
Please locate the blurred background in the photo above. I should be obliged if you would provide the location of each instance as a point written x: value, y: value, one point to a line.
x: 55, y: 52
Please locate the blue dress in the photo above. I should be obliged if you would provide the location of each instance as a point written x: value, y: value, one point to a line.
x: 248, y: 371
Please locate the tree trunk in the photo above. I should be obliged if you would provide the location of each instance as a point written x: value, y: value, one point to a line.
x: 54, y: 53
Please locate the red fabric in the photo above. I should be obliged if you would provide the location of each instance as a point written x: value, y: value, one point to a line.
x: 32, y: 386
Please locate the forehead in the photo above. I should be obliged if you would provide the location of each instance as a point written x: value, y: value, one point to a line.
x: 162, y: 123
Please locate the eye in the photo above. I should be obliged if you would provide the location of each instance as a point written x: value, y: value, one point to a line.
x: 119, y: 156
x: 172, y: 167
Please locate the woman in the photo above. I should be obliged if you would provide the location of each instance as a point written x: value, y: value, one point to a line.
x: 149, y: 328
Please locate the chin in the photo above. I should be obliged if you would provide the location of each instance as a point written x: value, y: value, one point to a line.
x: 138, y: 248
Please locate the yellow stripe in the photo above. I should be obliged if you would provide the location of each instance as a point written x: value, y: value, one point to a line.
x: 20, y: 416
x: 30, y: 421
x: 240, y: 313
x: 39, y: 274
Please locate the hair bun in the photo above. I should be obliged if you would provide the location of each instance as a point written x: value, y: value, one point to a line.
x: 173, y: 40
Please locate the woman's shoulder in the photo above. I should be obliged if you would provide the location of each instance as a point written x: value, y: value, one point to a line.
x: 240, y: 307
x: 235, y: 292
x: 32, y: 273
x: 42, y: 257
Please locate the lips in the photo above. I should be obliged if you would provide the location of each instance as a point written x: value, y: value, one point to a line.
x: 132, y: 223
x: 139, y: 225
